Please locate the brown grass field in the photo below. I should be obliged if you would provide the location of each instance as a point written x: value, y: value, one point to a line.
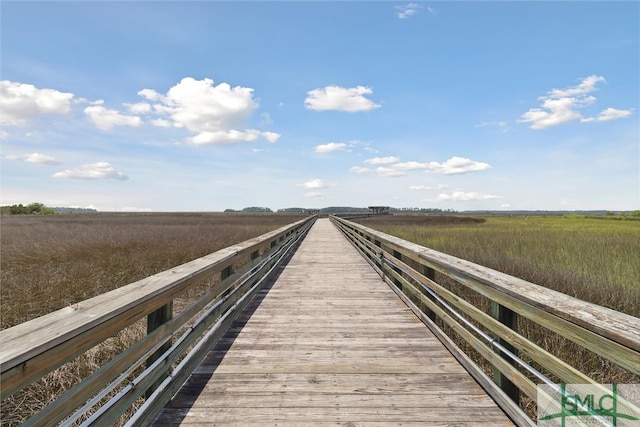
x: 49, y: 262
x: 53, y: 261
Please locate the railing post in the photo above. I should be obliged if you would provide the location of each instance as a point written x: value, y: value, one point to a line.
x: 397, y: 255
x: 510, y: 319
x: 226, y: 272
x: 381, y: 265
x: 430, y: 274
x: 156, y: 319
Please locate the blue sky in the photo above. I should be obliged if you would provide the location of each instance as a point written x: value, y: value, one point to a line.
x: 208, y: 105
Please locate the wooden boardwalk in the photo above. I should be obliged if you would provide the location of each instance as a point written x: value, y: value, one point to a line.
x: 330, y: 344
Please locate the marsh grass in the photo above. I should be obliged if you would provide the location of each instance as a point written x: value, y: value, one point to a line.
x: 51, y: 262
x: 54, y: 261
x: 591, y: 259
x: 588, y: 258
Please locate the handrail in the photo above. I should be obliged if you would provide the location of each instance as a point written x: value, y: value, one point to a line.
x: 33, y: 349
x: 612, y: 335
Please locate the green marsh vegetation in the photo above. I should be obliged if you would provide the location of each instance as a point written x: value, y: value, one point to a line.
x: 589, y: 258
x: 595, y: 259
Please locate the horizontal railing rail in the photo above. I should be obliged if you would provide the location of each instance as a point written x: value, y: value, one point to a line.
x: 518, y: 364
x: 154, y: 367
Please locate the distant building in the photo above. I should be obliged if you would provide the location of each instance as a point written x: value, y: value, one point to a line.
x: 379, y: 210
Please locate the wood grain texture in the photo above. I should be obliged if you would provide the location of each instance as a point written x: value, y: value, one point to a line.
x: 330, y: 344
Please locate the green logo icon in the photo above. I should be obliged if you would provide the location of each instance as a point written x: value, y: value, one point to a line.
x: 568, y: 405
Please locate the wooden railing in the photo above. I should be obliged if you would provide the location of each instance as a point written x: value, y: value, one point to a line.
x: 154, y: 367
x: 518, y: 364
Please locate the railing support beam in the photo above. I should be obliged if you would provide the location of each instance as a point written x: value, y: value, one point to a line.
x: 154, y: 321
x: 510, y: 319
x: 430, y: 274
x: 397, y: 255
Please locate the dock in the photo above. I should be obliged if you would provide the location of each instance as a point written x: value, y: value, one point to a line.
x: 329, y: 343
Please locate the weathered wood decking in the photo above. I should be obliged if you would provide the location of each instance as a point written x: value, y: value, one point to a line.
x: 330, y: 344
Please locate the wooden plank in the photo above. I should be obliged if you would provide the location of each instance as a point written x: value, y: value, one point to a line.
x: 330, y: 343
x: 310, y: 415
x: 265, y: 384
x: 355, y: 400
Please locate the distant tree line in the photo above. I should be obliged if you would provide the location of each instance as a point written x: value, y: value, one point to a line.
x: 252, y: 209
x: 30, y: 209
x: 39, y: 209
x: 354, y: 210
x: 633, y: 215
x: 357, y: 210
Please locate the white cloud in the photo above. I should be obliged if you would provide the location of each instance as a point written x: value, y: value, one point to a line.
x: 407, y: 10
x: 4, y: 134
x: 139, y: 108
x: 609, y: 114
x: 21, y: 103
x: 561, y: 106
x: 231, y: 137
x: 163, y: 123
x: 201, y: 106
x: 389, y: 172
x: 270, y: 136
x: 106, y: 119
x: 360, y: 170
x: 587, y: 85
x: 212, y: 113
x: 313, y: 184
x: 40, y: 158
x: 408, y: 166
x: 555, y: 112
x: 150, y: 94
x: 393, y: 167
x: 93, y: 171
x: 340, y: 99
x: 330, y: 147
x: 456, y: 165
x: 427, y: 187
x: 382, y: 160
x: 461, y: 196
